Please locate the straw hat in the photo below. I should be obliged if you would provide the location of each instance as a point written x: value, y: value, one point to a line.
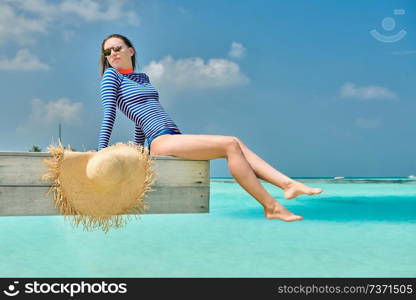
x: 98, y: 188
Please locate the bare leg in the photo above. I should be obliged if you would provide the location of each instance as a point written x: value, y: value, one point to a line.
x: 206, y: 147
x: 266, y: 172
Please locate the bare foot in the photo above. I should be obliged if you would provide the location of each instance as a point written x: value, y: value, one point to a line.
x: 281, y: 213
x: 295, y: 188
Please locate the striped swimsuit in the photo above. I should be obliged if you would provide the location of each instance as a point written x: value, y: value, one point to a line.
x: 135, y: 96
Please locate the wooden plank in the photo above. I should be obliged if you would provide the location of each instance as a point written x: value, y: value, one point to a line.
x: 32, y: 201
x: 26, y: 169
x: 181, y: 185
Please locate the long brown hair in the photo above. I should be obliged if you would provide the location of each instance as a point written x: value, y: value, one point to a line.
x: 103, y: 60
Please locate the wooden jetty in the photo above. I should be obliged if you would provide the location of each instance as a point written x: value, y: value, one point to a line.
x: 181, y: 185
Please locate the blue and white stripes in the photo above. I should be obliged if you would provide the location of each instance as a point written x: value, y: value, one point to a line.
x: 134, y: 95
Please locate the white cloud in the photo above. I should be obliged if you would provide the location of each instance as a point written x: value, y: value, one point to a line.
x: 90, y: 10
x: 51, y: 113
x: 23, y: 61
x: 349, y: 90
x: 20, y: 19
x: 19, y: 28
x: 40, y: 7
x: 367, y: 123
x: 194, y: 73
x: 237, y: 50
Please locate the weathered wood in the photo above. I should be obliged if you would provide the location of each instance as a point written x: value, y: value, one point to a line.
x: 181, y: 185
x: 33, y: 201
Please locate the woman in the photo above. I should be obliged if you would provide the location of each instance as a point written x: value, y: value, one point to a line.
x: 137, y: 99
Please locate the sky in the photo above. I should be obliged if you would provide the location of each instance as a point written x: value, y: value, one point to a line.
x: 315, y: 88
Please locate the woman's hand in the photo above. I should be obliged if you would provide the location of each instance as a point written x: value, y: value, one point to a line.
x: 92, y: 151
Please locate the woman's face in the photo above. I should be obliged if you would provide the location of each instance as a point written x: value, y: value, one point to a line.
x: 122, y: 58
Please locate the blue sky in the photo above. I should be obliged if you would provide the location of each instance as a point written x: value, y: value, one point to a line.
x: 303, y: 83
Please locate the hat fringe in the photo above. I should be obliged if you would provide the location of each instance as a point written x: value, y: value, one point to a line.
x: 92, y: 222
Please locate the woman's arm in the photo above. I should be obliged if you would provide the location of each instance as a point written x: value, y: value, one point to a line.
x: 109, y: 89
x: 139, y: 136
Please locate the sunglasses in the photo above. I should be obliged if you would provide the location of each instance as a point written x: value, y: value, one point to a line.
x: 107, y: 52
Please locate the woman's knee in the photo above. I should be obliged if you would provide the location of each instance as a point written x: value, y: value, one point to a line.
x: 232, y: 144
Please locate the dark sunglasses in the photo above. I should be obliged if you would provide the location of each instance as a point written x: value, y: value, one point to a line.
x: 107, y: 52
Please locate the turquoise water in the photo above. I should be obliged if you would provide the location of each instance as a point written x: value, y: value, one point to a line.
x: 351, y: 230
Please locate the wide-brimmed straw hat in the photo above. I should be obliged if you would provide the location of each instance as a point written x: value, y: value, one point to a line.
x: 100, y: 189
